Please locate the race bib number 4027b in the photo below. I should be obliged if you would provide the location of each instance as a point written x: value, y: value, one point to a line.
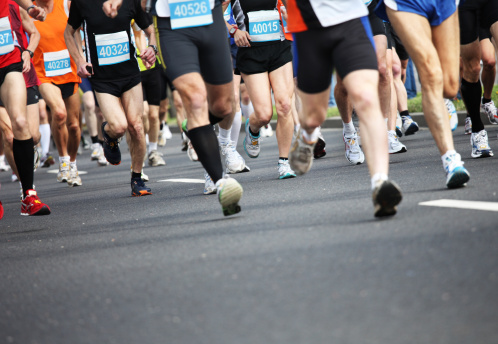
x: 57, y: 63
x: 190, y: 13
x: 113, y: 48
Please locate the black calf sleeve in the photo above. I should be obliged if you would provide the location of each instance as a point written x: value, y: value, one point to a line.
x: 207, y: 148
x: 471, y: 94
x: 23, y: 156
x: 213, y: 119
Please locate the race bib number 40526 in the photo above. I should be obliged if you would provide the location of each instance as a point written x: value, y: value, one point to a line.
x: 112, y: 48
x: 190, y: 13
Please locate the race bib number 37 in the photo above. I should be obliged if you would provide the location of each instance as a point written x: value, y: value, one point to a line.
x: 57, y: 63
x: 190, y: 13
x: 6, y: 40
x: 113, y: 48
x: 264, y: 26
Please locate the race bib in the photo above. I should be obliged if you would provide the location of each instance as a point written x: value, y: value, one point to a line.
x: 264, y: 26
x: 112, y: 48
x: 57, y: 63
x: 6, y: 39
x: 190, y: 13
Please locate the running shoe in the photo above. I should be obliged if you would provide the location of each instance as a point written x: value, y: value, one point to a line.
x: 209, y: 186
x: 453, y: 114
x: 95, y: 151
x: 74, y: 178
x: 63, y: 174
x: 191, y: 152
x: 32, y: 206
x: 301, y: 155
x: 229, y: 194
x: 354, y: 154
x: 167, y: 132
x: 468, y: 126
x: 266, y: 131
x: 36, y: 159
x: 284, y: 170
x: 47, y: 160
x: 84, y: 143
x: 399, y: 132
x: 491, y: 111
x: 319, y: 150
x: 102, y: 161
x: 234, y: 162
x: 111, y: 148
x: 480, y: 146
x: 1, y: 210
x: 161, y: 141
x: 386, y: 196
x: 409, y: 126
x: 251, y: 143
x: 13, y: 177
x: 399, y: 125
x: 184, y: 142
x: 394, y: 145
x: 3, y: 165
x: 138, y: 188
x: 156, y: 159
x: 456, y: 174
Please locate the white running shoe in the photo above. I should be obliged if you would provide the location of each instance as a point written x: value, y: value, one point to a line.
x: 36, y: 159
x: 393, y: 143
x: 63, y: 174
x: 409, y: 126
x: 74, y: 178
x: 468, y: 126
x: 267, y: 131
x: 191, y: 152
x: 96, y: 150
x: 102, y: 161
x: 209, y: 186
x: 234, y: 162
x: 251, y: 143
x: 284, y: 170
x: 3, y: 165
x: 491, y: 111
x: 480, y: 146
x: 456, y: 175
x: 301, y: 155
x: 167, y: 132
x: 354, y: 154
x: 13, y: 178
x: 156, y: 159
x: 453, y: 114
x: 229, y: 194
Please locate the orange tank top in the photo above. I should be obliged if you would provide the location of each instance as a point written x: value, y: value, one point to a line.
x: 51, y: 59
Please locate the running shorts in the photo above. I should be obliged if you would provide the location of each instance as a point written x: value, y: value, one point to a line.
x: 476, y: 18
x: 116, y: 88
x: 436, y: 11
x: 14, y: 67
x: 68, y: 89
x: 85, y: 85
x: 151, y: 86
x: 264, y: 58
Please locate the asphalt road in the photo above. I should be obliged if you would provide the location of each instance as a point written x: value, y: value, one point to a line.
x: 304, y: 262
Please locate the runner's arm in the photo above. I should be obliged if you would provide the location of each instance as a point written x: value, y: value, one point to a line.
x: 148, y: 56
x: 72, y: 47
x: 34, y: 38
x: 35, y: 12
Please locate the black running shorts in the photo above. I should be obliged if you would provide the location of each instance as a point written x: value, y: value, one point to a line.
x: 319, y: 51
x: 202, y: 49
x: 475, y: 15
x: 151, y: 85
x: 264, y: 58
x: 68, y: 89
x: 15, y: 67
x: 116, y: 87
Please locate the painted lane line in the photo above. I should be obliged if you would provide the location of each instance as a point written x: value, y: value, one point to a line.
x: 185, y: 180
x: 57, y: 171
x: 453, y: 203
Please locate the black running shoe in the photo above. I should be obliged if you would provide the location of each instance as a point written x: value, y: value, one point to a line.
x: 138, y: 187
x: 111, y: 148
x: 386, y: 196
x: 319, y: 150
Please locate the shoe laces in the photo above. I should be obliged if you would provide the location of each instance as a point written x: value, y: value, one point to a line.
x: 284, y: 167
x: 480, y: 139
x: 453, y: 161
x: 352, y: 143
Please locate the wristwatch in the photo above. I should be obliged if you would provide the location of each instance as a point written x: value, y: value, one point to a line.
x: 29, y: 52
x: 154, y: 47
x: 233, y: 30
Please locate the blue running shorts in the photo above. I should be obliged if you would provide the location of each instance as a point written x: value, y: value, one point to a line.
x: 436, y: 11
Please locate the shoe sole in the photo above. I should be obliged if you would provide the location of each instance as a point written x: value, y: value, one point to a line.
x: 141, y: 193
x: 387, y: 199
x: 357, y: 162
x: 484, y: 154
x: 229, y: 196
x: 43, y: 211
x: 74, y: 183
x: 458, y: 179
x: 402, y: 150
x: 287, y: 176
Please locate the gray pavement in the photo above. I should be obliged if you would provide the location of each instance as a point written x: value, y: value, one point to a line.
x: 304, y: 262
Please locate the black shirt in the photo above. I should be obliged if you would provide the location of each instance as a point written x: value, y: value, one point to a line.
x: 110, y: 49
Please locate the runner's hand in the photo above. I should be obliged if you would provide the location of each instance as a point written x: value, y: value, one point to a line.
x: 111, y: 7
x: 148, y: 57
x: 37, y: 13
x: 242, y: 38
x: 83, y: 72
x: 26, y: 62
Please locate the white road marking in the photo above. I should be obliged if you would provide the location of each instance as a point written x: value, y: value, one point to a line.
x: 185, y: 180
x: 57, y: 170
x: 453, y: 203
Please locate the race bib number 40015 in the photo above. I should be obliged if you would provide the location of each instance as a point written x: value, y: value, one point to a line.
x: 113, y: 48
x: 57, y: 63
x: 6, y: 39
x: 190, y: 13
x: 264, y: 26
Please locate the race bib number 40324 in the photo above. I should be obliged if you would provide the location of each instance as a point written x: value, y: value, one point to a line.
x: 112, y: 48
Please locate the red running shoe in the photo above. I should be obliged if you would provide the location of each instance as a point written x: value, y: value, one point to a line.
x: 32, y: 206
x: 1, y: 210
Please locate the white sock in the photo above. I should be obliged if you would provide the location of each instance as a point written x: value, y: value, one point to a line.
x: 64, y: 159
x: 348, y: 128
x: 224, y: 136
x: 152, y: 146
x: 72, y: 165
x: 2, y: 158
x: 247, y: 110
x: 445, y: 155
x: 313, y: 137
x: 376, y: 178
x: 147, y: 139
x: 237, y: 123
x: 45, y: 138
